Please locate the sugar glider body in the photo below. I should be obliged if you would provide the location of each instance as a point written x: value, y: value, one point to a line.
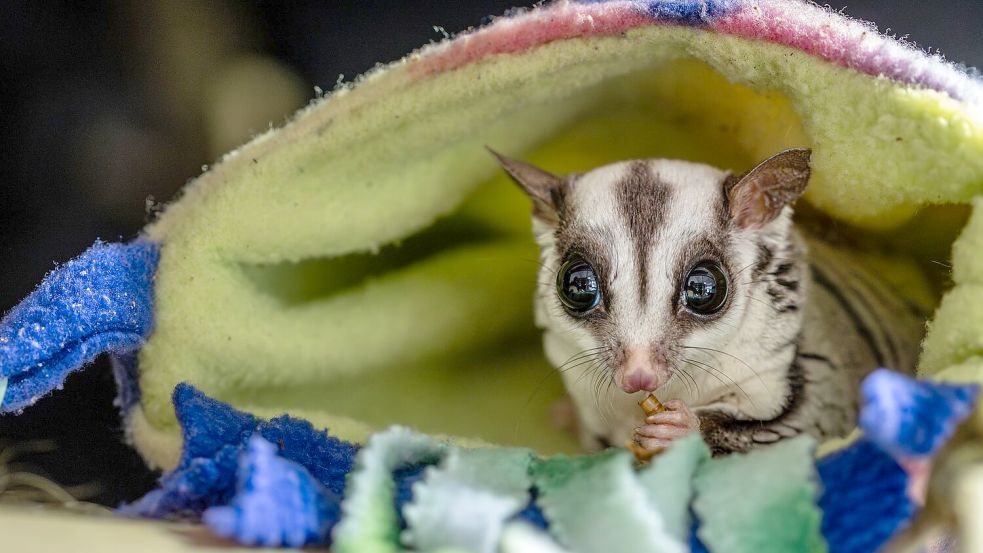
x: 681, y: 279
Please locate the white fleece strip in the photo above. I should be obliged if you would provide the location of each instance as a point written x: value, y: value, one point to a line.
x: 465, y: 503
x: 3, y: 390
x: 521, y: 537
x: 369, y: 521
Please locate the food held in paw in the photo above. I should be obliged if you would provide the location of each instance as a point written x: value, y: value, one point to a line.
x: 650, y: 405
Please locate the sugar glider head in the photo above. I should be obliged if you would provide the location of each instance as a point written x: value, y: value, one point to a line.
x: 650, y: 261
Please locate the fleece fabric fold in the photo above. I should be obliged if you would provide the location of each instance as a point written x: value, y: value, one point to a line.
x: 372, y: 238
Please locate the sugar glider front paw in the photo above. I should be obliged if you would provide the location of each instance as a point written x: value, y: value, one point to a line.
x: 662, y: 428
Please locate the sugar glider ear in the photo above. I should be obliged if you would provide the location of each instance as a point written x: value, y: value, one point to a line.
x: 544, y: 188
x: 757, y: 197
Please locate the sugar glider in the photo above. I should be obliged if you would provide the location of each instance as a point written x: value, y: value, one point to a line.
x: 683, y: 279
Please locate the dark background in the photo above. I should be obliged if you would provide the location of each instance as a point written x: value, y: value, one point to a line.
x: 108, y: 107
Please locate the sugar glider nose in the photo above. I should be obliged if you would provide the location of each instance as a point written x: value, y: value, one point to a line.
x: 640, y: 372
x: 639, y: 380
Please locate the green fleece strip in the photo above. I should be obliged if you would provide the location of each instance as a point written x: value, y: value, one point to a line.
x: 956, y: 334
x: 761, y: 502
x: 668, y: 482
x: 465, y: 502
x: 369, y: 523
x: 581, y: 494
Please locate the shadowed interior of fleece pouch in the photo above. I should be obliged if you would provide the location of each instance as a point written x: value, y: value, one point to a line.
x: 369, y: 264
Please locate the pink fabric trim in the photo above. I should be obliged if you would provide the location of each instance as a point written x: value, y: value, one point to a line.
x: 814, y: 30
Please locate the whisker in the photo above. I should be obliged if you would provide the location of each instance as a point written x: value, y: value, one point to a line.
x: 589, y: 371
x: 596, y: 387
x: 607, y: 392
x: 689, y: 381
x: 706, y: 368
x: 582, y: 352
x: 542, y: 381
x: 580, y: 363
x: 713, y: 371
x: 580, y: 358
x: 738, y: 273
x: 588, y: 351
x: 677, y: 375
x: 736, y: 358
x: 762, y: 302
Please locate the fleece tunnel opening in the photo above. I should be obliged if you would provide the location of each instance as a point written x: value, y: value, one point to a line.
x: 650, y: 114
x: 378, y: 254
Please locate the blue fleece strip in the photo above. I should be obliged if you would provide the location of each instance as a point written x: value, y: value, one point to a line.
x: 100, y: 302
x: 912, y: 418
x: 865, y: 498
x: 687, y: 12
x: 277, y: 503
x: 215, y: 439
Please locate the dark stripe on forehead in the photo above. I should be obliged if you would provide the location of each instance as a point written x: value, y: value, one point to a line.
x: 643, y: 202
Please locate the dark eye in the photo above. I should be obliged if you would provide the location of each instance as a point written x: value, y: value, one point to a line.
x: 705, y: 288
x: 578, y: 286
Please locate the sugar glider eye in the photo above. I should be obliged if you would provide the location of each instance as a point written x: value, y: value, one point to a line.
x: 705, y: 288
x: 577, y: 285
